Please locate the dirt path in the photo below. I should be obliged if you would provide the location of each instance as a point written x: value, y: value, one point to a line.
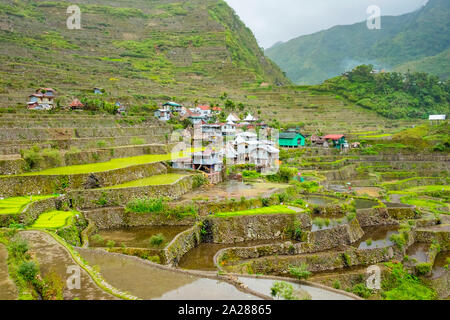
x: 52, y: 256
x: 8, y: 289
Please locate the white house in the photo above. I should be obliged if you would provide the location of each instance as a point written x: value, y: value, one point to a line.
x: 229, y: 129
x: 233, y: 118
x: 163, y: 114
x: 250, y: 150
x: 209, y: 160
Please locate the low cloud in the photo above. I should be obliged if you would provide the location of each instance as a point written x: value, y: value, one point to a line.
x: 282, y: 20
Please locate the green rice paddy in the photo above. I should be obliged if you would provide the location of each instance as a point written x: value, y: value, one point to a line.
x: 113, y: 164
x: 16, y: 204
x: 54, y: 219
x: 162, y: 179
x: 280, y: 209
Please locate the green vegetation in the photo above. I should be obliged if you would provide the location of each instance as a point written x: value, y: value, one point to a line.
x: 400, y: 285
x: 157, y: 240
x: 159, y: 206
x: 163, y: 179
x: 54, y: 219
x: 279, y: 209
x: 301, y: 272
x: 113, y: 164
x: 17, y: 204
x: 392, y: 95
x: 283, y: 290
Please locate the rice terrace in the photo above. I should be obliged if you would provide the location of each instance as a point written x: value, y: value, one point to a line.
x: 157, y: 152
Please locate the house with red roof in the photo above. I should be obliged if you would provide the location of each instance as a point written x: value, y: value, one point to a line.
x: 338, y: 140
x: 76, y: 105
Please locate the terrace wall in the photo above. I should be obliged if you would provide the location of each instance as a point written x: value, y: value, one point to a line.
x: 257, y: 227
x: 98, y: 198
x: 48, y: 184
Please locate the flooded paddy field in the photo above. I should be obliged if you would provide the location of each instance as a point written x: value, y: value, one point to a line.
x: 201, y: 257
x: 53, y: 257
x: 264, y: 285
x: 149, y: 282
x: 235, y: 189
x: 138, y: 237
x: 8, y: 289
x: 418, y: 252
x: 440, y: 263
x: 376, y: 237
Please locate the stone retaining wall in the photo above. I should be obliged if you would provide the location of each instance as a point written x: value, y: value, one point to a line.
x: 317, y: 262
x: 98, y: 198
x: 116, y: 217
x: 258, y: 227
x: 375, y: 217
x: 181, y: 244
x: 42, y: 184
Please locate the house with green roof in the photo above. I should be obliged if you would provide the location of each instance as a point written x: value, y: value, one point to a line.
x: 291, y: 139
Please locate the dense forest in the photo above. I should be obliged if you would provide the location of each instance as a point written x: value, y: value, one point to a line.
x: 392, y: 94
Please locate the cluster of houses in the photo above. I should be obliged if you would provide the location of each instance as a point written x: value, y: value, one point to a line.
x: 43, y: 99
x: 244, y: 147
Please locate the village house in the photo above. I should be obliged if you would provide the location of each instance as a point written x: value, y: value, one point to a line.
x: 209, y: 161
x: 233, y: 118
x: 163, y: 114
x: 42, y: 99
x: 291, y: 139
x: 337, y: 140
x: 229, y: 129
x: 76, y: 105
x: 173, y: 107
x: 98, y: 91
x: 195, y: 118
x: 211, y: 132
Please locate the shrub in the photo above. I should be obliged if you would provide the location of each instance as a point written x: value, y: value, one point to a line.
x: 18, y: 248
x: 28, y: 270
x: 337, y: 284
x: 146, y: 205
x: 137, y: 141
x: 283, y: 290
x: 361, y: 290
x: 110, y: 243
x: 32, y: 157
x: 53, y: 286
x: 101, y: 144
x: 301, y: 272
x: 98, y: 239
x: 157, y: 240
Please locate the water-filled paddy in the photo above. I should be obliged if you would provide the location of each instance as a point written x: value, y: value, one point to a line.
x: 235, y: 189
x: 376, y: 237
x: 365, y: 203
x: 321, y: 200
x: 146, y: 281
x: 418, y: 252
x: 264, y: 285
x: 201, y: 257
x: 8, y: 290
x: 138, y: 237
x: 439, y: 265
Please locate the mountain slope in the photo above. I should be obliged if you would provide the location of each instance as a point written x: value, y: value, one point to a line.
x: 137, y: 50
x: 402, y: 39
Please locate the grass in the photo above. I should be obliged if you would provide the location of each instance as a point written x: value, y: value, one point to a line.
x: 423, y: 203
x: 16, y: 204
x: 113, y: 164
x: 54, y: 219
x: 280, y: 209
x: 423, y: 189
x: 162, y: 179
x: 376, y: 136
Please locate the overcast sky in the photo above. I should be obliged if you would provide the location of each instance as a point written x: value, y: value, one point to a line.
x: 281, y: 20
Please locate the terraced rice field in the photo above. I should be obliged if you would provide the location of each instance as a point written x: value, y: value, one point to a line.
x: 16, y: 204
x: 162, y: 179
x: 281, y: 209
x: 113, y: 164
x: 54, y: 219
